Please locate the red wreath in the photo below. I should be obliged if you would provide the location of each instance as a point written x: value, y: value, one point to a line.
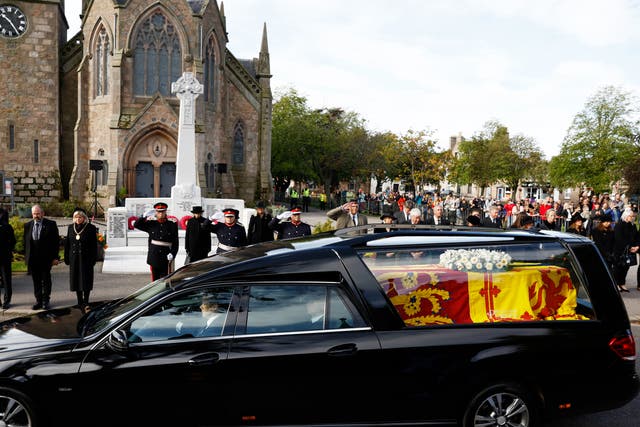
x: 183, y: 221
x: 132, y: 219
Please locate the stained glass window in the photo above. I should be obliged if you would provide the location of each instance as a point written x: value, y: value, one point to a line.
x: 157, y: 56
x: 209, y: 71
x: 238, y: 145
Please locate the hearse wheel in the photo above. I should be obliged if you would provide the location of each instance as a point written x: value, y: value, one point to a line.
x: 501, y: 405
x: 16, y: 409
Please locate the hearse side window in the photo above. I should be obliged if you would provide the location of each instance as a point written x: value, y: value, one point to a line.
x: 195, y: 314
x: 289, y: 308
x: 499, y: 283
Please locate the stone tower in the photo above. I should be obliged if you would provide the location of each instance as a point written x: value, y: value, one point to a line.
x: 30, y: 117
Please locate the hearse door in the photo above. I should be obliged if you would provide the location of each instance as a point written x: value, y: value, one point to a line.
x: 302, y: 354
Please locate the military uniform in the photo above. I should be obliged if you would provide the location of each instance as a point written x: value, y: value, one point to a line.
x: 163, y: 240
x: 290, y: 229
x: 230, y: 236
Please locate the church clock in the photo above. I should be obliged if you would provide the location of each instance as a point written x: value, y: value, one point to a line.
x: 13, y: 22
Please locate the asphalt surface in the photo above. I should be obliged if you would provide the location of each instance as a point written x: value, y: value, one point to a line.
x: 113, y: 285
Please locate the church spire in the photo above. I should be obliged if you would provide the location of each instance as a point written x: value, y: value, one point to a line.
x: 224, y: 18
x: 264, y: 67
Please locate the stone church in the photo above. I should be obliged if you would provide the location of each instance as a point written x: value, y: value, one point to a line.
x: 95, y: 116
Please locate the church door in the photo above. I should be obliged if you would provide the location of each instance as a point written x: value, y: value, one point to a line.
x: 167, y: 178
x: 151, y: 165
x: 144, y: 179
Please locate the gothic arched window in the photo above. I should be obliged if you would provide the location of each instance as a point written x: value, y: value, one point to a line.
x: 102, y: 62
x: 157, y: 57
x: 209, y: 71
x: 238, y: 145
x: 210, y: 172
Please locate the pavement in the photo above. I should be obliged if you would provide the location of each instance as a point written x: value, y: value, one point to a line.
x: 111, y: 285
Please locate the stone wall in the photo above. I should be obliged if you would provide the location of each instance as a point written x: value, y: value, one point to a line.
x: 30, y: 104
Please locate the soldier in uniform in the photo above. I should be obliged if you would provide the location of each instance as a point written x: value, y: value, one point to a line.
x: 197, y: 238
x: 290, y: 229
x: 231, y: 235
x: 163, y: 239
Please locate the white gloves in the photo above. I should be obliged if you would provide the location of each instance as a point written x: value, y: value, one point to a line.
x: 150, y: 213
x: 284, y: 215
x: 218, y: 216
x: 170, y: 257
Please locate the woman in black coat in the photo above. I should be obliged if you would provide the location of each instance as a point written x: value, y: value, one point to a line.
x: 625, y: 235
x: 80, y: 250
x: 603, y: 237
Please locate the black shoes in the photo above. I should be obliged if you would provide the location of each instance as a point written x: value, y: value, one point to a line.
x: 41, y: 305
x: 37, y: 306
x: 46, y: 306
x: 6, y: 305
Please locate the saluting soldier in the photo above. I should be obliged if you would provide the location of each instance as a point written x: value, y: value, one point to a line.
x: 231, y: 235
x: 290, y: 229
x: 163, y: 239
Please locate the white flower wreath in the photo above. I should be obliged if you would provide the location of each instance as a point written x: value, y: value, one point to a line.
x: 475, y: 260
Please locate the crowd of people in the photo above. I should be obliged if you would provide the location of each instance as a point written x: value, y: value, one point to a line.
x: 610, y: 221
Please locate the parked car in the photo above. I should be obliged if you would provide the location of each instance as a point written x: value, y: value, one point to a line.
x: 410, y: 326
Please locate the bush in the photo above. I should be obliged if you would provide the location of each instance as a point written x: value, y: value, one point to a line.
x: 18, y: 229
x: 322, y: 227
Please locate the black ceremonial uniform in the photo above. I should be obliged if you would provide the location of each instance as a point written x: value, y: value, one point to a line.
x: 229, y: 236
x: 163, y: 239
x: 289, y: 230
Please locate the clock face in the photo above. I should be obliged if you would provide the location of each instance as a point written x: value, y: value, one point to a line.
x: 13, y: 22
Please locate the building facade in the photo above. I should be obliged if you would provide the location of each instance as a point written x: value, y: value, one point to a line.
x: 95, y: 116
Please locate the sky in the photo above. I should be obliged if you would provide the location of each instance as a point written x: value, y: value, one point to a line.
x: 443, y: 66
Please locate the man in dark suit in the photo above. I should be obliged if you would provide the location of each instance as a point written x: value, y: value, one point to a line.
x: 7, y: 243
x: 493, y: 220
x: 197, y: 238
x: 438, y: 217
x: 41, y: 246
x: 402, y: 216
x: 259, y: 230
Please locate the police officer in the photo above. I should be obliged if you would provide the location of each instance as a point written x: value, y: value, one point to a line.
x: 306, y: 199
x: 197, y: 238
x: 231, y: 235
x: 163, y: 239
x: 290, y: 229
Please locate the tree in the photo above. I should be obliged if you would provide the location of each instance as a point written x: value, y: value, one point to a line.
x: 325, y: 145
x: 522, y: 158
x: 480, y: 160
x: 598, y: 144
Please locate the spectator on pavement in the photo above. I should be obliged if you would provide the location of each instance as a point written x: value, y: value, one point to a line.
x: 347, y: 215
x: 41, y: 246
x: 7, y: 244
x: 80, y: 254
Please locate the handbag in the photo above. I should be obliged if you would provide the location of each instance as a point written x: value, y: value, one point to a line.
x: 627, y: 259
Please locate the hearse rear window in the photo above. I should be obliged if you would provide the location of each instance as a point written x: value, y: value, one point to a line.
x: 495, y: 283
